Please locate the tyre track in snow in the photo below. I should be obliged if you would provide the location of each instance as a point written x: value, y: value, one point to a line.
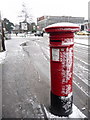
x: 81, y: 73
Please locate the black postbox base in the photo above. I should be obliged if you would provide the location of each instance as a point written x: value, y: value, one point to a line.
x: 61, y: 105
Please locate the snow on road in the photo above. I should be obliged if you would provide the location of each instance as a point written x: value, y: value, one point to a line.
x: 81, y: 39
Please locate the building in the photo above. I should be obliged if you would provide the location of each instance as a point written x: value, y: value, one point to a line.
x: 44, y: 21
x: 0, y: 34
x: 32, y: 27
x: 24, y: 27
x: 86, y: 24
x: 89, y: 15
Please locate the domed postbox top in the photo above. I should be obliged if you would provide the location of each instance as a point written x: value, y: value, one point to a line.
x: 62, y: 27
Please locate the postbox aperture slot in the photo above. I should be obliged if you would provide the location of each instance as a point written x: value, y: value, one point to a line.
x: 55, y: 40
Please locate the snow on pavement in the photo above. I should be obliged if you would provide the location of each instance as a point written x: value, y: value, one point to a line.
x: 75, y: 114
x: 2, y: 56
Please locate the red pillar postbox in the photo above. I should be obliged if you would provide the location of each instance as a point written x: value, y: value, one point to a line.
x: 61, y: 64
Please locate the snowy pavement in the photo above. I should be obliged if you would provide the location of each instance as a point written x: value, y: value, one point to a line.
x: 2, y: 56
x: 75, y: 114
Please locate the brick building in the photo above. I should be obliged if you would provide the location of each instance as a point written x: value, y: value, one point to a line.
x: 44, y: 21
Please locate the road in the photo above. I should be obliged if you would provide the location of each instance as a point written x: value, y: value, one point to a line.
x: 81, y: 73
x: 30, y: 56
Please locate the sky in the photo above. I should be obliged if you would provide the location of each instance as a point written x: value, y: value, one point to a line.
x: 11, y: 9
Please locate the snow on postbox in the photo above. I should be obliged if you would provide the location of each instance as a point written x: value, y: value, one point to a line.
x: 61, y: 65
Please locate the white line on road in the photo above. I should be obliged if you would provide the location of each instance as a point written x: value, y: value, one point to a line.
x: 81, y: 88
x: 84, y: 80
x: 81, y: 61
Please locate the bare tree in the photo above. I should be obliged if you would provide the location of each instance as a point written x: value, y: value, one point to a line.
x: 25, y: 15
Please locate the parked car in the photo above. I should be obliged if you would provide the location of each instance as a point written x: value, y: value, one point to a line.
x: 39, y: 33
x: 82, y: 33
x: 29, y: 33
x: 88, y: 30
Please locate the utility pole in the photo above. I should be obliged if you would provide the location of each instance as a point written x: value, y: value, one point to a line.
x: 3, y: 37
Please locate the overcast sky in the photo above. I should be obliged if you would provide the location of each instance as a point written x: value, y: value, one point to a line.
x: 11, y: 9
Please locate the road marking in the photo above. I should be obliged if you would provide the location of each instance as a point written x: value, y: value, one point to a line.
x: 81, y: 89
x: 86, y: 82
x: 81, y: 61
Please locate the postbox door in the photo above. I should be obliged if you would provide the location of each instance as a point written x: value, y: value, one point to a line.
x: 61, y: 70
